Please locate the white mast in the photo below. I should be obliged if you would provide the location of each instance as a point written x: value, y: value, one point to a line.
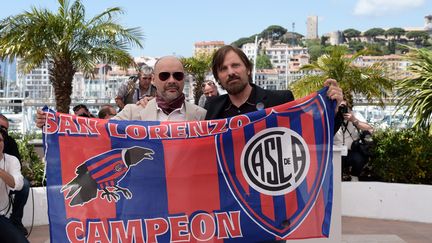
x: 254, y: 60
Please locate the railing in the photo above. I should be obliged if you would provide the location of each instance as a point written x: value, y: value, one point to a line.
x: 21, y: 112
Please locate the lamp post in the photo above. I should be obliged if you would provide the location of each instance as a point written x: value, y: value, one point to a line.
x: 254, y: 60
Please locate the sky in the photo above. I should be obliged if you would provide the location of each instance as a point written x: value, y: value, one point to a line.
x: 172, y: 27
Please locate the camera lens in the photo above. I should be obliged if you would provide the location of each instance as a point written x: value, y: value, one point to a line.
x: 343, y: 109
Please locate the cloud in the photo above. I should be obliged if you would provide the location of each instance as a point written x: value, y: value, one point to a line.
x: 382, y: 7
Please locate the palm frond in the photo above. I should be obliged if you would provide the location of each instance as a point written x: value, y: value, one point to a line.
x: 416, y: 92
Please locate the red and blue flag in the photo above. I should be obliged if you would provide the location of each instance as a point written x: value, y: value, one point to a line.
x: 261, y: 176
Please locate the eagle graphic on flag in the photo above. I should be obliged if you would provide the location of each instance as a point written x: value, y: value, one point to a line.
x: 256, y: 177
x: 103, y: 171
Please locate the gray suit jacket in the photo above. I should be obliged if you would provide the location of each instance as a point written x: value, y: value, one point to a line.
x: 149, y: 113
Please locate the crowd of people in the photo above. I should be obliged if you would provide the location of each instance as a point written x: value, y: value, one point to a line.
x: 157, y: 94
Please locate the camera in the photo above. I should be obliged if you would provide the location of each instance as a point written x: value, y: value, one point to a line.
x: 343, y: 109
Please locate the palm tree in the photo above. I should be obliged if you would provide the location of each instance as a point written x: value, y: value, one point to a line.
x: 68, y: 41
x: 370, y: 81
x: 415, y: 92
x: 198, y: 66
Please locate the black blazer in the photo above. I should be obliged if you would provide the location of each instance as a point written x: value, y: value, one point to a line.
x: 268, y: 98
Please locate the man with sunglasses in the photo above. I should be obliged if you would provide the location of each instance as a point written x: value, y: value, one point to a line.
x: 136, y: 88
x: 169, y: 104
x: 20, y: 194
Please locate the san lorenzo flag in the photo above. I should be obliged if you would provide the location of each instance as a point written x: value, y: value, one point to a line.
x: 261, y: 176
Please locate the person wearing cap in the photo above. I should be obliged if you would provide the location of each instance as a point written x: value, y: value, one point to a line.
x: 170, y: 103
x: 136, y: 88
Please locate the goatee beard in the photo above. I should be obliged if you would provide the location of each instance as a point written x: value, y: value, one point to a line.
x: 236, y: 88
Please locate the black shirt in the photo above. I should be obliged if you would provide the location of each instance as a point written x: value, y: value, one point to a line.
x: 11, y: 147
x: 250, y: 105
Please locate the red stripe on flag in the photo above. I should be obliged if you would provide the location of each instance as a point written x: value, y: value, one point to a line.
x: 290, y: 198
x: 267, y: 205
x: 283, y: 121
x: 312, y: 225
x: 291, y: 205
x: 73, y: 156
x: 103, y: 161
x: 192, y: 176
x: 110, y: 168
x: 308, y: 135
x: 238, y: 145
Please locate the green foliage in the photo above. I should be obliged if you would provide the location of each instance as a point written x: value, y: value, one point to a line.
x: 315, y: 49
x: 374, y: 32
x: 351, y: 33
x: 68, y: 41
x: 415, y: 92
x: 32, y: 166
x: 402, y: 156
x: 417, y: 34
x: 240, y: 42
x: 274, y: 32
x: 419, y: 37
x: 356, y: 46
x: 336, y: 64
x: 391, y: 47
x: 263, y: 62
x: 395, y: 32
x: 292, y: 38
x: 198, y: 66
x: 324, y: 39
x: 374, y: 49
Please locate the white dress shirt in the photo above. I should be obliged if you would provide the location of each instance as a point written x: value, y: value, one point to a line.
x: 12, y: 166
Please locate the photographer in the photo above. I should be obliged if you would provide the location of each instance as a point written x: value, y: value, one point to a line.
x: 11, y: 179
x: 353, y: 160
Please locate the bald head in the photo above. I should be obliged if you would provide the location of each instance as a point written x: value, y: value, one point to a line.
x: 169, y: 77
x: 167, y: 60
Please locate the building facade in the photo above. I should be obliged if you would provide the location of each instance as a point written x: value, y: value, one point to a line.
x: 267, y: 79
x: 395, y: 65
x: 312, y: 27
x: 36, y: 83
x: 207, y: 47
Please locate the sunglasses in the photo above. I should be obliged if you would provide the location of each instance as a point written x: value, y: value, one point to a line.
x: 4, y: 128
x: 163, y: 76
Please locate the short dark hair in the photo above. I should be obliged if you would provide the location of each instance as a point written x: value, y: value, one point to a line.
x: 4, y: 134
x: 77, y: 107
x: 219, y: 57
